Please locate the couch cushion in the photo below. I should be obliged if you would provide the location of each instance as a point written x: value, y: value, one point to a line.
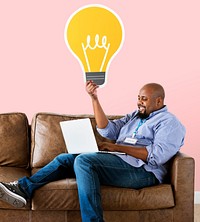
x: 9, y: 174
x: 63, y: 195
x: 14, y: 145
x: 47, y: 138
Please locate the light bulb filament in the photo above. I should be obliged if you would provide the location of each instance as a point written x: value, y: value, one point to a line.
x: 96, y: 45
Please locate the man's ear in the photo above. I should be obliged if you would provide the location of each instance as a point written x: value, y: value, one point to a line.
x: 159, y: 101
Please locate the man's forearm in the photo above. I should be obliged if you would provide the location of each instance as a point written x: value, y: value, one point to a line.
x: 99, y: 114
x: 137, y: 152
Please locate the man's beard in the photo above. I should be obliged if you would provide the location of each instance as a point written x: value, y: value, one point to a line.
x: 142, y: 115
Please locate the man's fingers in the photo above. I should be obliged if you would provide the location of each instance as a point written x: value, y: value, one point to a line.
x: 92, y: 87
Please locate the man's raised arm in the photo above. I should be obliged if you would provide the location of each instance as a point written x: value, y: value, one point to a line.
x: 99, y: 114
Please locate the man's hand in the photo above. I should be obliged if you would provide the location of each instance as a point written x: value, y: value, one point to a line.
x: 105, y: 146
x: 91, y: 89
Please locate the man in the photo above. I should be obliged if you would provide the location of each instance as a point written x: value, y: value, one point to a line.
x: 150, y: 137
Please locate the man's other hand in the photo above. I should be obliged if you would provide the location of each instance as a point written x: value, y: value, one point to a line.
x: 91, y: 89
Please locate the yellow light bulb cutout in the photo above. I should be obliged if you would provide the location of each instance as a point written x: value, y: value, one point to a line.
x: 94, y: 34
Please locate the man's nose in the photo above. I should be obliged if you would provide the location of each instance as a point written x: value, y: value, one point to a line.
x: 140, y: 102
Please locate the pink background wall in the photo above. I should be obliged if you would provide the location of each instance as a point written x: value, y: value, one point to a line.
x: 162, y: 44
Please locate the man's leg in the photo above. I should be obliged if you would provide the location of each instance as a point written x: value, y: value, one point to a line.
x: 16, y: 193
x: 95, y: 169
x: 59, y: 168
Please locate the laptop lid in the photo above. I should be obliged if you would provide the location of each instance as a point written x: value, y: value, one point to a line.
x: 79, y: 136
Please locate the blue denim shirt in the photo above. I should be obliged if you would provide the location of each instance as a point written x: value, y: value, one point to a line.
x: 162, y: 134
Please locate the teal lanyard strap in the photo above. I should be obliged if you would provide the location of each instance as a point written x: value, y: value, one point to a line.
x: 142, y: 121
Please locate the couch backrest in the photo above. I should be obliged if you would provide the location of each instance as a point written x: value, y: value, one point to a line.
x: 47, y: 139
x: 14, y: 142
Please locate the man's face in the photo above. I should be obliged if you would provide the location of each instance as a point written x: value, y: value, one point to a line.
x: 147, y: 102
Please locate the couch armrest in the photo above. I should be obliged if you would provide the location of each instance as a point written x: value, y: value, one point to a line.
x: 182, y: 180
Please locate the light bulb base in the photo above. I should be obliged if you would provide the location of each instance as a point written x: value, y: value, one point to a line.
x: 96, y: 77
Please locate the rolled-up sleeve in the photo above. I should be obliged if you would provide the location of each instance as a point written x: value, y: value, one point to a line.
x: 112, y: 130
x: 108, y: 131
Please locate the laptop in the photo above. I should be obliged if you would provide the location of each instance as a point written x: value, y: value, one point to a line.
x: 79, y: 136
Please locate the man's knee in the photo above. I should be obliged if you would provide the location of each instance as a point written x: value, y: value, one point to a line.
x: 82, y: 160
x: 60, y: 157
x: 65, y: 159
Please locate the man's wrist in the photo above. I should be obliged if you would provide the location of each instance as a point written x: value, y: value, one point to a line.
x: 94, y: 98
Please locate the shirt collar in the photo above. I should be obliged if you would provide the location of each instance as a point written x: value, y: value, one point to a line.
x: 164, y: 109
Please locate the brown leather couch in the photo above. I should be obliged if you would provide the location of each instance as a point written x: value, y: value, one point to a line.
x: 24, y: 149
